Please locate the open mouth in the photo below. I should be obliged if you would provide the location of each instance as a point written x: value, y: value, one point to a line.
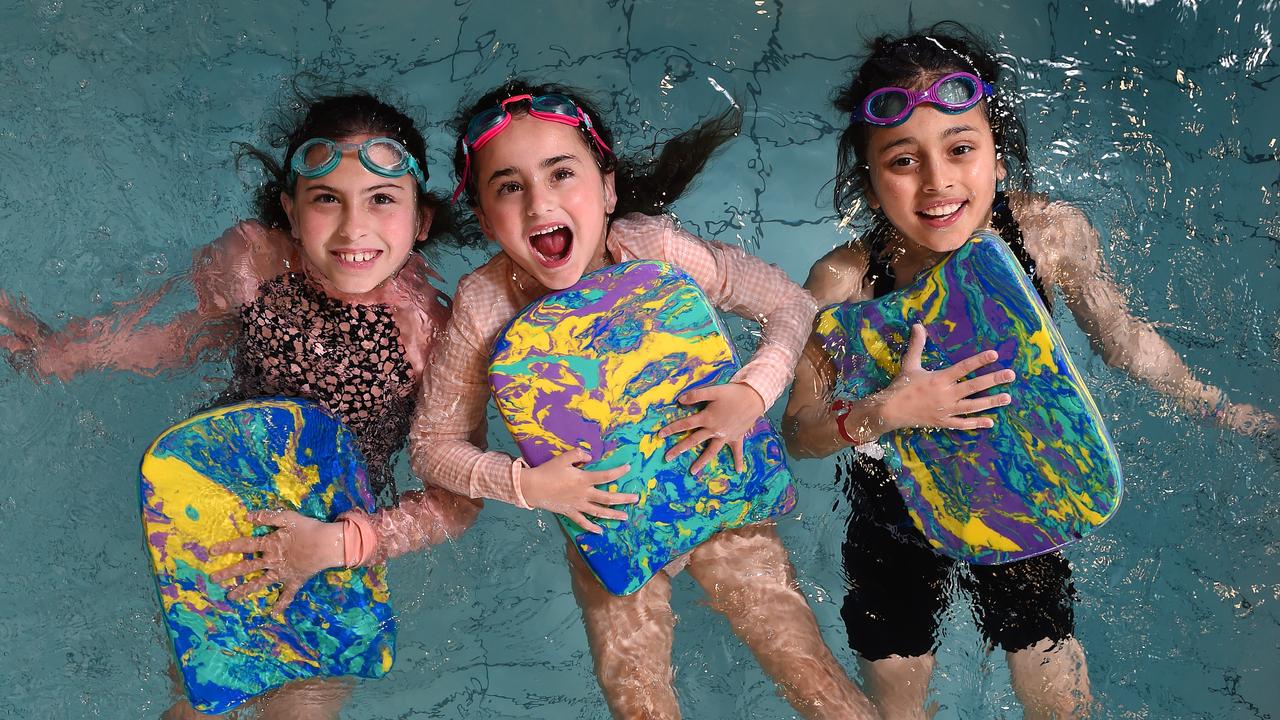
x: 942, y: 215
x: 356, y: 259
x: 552, y: 245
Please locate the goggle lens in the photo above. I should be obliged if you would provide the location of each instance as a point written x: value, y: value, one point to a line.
x: 387, y: 154
x: 956, y: 92
x: 888, y: 104
x: 314, y: 156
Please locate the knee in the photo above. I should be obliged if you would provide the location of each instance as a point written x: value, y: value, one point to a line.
x: 898, y: 686
x: 1052, y: 680
x: 638, y: 692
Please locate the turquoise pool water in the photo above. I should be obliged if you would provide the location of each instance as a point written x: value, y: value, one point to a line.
x: 1158, y: 118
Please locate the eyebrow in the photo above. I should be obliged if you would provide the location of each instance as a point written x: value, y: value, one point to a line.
x: 371, y: 188
x: 549, y: 162
x: 953, y: 130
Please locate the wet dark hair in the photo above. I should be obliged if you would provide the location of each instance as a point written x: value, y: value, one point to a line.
x: 913, y: 61
x: 646, y: 184
x: 335, y: 117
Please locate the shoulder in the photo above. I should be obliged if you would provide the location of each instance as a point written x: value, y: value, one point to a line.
x: 484, y: 302
x: 429, y: 302
x: 642, y: 236
x: 227, y: 272
x: 838, y: 276
x: 1057, y: 234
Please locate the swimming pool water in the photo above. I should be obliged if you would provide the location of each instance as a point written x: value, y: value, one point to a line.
x: 1156, y: 117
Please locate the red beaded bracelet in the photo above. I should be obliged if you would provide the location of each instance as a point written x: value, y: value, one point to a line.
x: 842, y: 409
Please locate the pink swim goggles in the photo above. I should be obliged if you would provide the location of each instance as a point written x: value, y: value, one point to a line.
x: 952, y: 94
x: 553, y: 107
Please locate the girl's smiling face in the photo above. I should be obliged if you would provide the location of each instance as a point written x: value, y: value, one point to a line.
x: 935, y: 175
x: 356, y: 228
x: 541, y: 196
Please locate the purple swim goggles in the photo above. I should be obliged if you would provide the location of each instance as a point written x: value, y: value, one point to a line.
x: 952, y: 94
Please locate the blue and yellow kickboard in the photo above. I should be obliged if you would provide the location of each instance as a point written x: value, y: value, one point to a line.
x: 1047, y: 473
x: 198, y: 481
x: 599, y: 366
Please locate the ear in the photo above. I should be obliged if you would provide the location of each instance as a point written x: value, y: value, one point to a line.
x: 1001, y: 171
x: 286, y: 202
x: 873, y: 202
x: 610, y: 193
x: 426, y: 214
x: 483, y: 219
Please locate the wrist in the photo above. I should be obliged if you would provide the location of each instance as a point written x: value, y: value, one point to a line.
x: 841, y: 409
x: 521, y: 471
x: 356, y: 539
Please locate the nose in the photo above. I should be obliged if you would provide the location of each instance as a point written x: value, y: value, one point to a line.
x: 353, y: 225
x: 936, y: 175
x: 538, y: 199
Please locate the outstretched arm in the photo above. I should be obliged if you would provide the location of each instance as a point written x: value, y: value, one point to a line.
x: 1128, y: 342
x: 224, y: 275
x: 115, y: 340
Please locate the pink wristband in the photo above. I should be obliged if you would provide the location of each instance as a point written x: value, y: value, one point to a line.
x: 358, y: 539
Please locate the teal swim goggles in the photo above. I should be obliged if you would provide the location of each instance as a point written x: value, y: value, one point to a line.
x: 381, y: 156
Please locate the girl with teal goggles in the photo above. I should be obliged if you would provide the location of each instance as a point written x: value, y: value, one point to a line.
x: 381, y: 156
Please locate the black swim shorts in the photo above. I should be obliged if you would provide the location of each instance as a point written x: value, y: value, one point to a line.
x: 898, y: 587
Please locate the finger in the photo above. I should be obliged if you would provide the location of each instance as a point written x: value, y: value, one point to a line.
x: 688, y: 422
x: 961, y: 422
x: 13, y: 343
x: 604, y: 497
x: 242, y: 545
x: 739, y: 460
x: 19, y: 320
x: 984, y: 382
x: 982, y: 404
x: 697, y: 395
x: 251, y: 587
x: 583, y: 522
x: 686, y: 444
x: 603, y: 512
x: 284, y: 599
x: 269, y: 518
x: 576, y: 456
x: 240, y: 569
x: 713, y: 448
x: 915, y: 347
x: 600, y: 477
x: 969, y: 364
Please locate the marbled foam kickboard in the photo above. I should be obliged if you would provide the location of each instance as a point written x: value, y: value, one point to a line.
x: 1047, y: 473
x: 198, y: 480
x: 598, y: 367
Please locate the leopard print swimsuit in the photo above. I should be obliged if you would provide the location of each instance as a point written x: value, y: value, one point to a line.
x: 297, y: 341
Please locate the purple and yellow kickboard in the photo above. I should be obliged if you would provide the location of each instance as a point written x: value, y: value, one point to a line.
x: 1046, y: 474
x: 198, y: 481
x: 599, y: 367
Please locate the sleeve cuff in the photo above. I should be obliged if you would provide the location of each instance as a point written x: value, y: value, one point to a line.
x: 517, y: 467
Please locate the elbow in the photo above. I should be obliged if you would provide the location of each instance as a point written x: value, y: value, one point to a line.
x: 792, y: 440
x: 465, y: 512
x: 457, y: 514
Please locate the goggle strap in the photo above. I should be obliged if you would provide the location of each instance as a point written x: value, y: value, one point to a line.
x: 466, y: 170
